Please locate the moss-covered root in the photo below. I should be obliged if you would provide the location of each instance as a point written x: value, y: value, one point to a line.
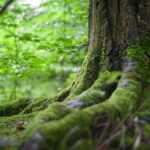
x: 40, y: 104
x: 14, y: 106
x: 59, y: 133
x: 89, y: 71
x: 101, y: 90
x: 28, y: 105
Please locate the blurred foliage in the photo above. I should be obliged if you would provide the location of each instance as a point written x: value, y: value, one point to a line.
x: 41, y: 46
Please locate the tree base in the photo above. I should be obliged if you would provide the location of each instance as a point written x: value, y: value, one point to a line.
x: 77, y: 123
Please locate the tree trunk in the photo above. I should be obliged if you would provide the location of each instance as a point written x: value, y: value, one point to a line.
x: 114, y: 25
x: 118, y: 43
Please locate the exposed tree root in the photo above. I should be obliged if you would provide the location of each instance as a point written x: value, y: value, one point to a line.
x: 28, y: 105
x: 14, y: 107
x: 101, y: 90
x: 41, y: 104
x: 58, y: 120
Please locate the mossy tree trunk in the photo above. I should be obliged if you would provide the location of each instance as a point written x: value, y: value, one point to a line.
x: 113, y: 26
x: 118, y: 43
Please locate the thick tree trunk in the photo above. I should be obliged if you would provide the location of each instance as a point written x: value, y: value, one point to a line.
x: 119, y: 32
x: 114, y: 25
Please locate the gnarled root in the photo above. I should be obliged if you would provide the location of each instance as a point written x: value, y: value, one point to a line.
x: 28, y: 105
x: 59, y: 121
x: 14, y: 107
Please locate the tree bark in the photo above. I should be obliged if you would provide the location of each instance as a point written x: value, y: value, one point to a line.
x: 114, y: 25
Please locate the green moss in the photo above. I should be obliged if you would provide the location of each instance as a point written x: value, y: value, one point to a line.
x: 8, y: 125
x: 56, y: 122
x: 106, y: 77
x: 53, y: 112
x: 59, y: 129
x: 140, y: 52
x: 125, y: 99
x: 96, y: 93
x: 42, y: 103
x: 13, y: 107
x: 56, y: 130
x: 89, y: 72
